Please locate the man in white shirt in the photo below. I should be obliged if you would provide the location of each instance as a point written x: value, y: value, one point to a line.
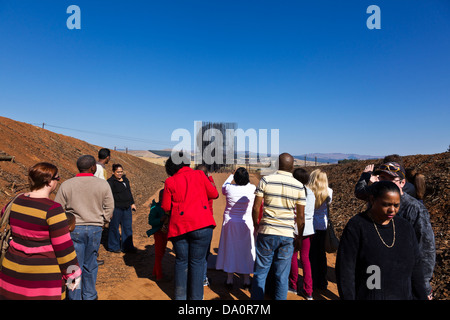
x: 104, y: 155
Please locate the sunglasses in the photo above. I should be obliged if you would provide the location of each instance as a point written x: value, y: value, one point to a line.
x: 393, y: 168
x: 56, y: 178
x: 389, y: 167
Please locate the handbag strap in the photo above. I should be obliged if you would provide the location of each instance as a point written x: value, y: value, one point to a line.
x: 5, y: 217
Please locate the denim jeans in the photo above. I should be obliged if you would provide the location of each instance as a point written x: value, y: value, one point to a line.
x: 86, y: 240
x: 121, y: 217
x: 190, y: 250
x: 276, y: 252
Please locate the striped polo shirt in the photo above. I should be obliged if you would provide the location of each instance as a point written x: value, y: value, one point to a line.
x: 281, y: 193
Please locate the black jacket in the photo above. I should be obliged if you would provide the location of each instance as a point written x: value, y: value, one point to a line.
x: 367, y: 270
x: 415, y: 212
x: 121, y: 192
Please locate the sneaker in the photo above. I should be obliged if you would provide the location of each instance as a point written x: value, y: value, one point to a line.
x: 292, y: 290
x: 306, y: 296
x: 206, y: 282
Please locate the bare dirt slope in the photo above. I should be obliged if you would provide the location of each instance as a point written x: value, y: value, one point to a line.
x: 30, y: 144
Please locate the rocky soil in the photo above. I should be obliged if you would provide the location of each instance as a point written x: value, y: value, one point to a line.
x: 436, y: 168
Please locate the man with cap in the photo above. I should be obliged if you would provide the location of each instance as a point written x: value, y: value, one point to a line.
x: 410, y: 209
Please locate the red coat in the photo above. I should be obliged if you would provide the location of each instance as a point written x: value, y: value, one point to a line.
x: 186, y: 196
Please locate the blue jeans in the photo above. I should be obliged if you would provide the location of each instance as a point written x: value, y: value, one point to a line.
x: 86, y: 240
x: 276, y: 252
x: 121, y: 217
x: 190, y: 250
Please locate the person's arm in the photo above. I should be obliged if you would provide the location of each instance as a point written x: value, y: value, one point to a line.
x: 255, y: 211
x: 300, y: 218
x: 108, y: 205
x: 362, y: 186
x: 60, y: 198
x: 133, y: 205
x: 211, y: 190
x: 227, y: 183
x: 426, y: 244
x: 62, y: 244
x: 346, y: 261
x: 419, y: 284
x: 166, y: 203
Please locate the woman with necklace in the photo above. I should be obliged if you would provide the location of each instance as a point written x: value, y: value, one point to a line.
x: 378, y: 255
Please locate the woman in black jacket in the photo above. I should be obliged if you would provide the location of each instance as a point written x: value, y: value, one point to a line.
x: 123, y: 205
x: 378, y: 256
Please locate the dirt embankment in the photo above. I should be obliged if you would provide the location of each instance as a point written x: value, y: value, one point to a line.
x: 29, y: 145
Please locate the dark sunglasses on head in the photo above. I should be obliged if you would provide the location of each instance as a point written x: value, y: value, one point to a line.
x: 389, y: 167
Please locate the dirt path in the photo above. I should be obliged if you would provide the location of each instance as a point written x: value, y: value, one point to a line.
x: 128, y: 276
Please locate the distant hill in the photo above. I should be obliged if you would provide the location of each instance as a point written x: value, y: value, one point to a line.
x: 161, y: 153
x: 334, y: 157
x: 319, y: 157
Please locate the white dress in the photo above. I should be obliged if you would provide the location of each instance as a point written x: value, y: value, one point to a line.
x: 237, y: 243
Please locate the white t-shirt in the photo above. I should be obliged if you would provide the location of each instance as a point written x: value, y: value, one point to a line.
x: 100, y: 173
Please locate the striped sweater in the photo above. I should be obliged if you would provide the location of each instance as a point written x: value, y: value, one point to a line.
x: 281, y: 193
x: 41, y: 256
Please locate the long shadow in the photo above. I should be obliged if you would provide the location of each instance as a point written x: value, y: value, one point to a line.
x: 217, y: 280
x: 143, y: 261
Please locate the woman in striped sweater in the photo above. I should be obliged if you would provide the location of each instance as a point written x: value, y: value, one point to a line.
x: 41, y: 258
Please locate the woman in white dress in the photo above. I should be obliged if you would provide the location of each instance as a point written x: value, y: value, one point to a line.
x: 237, y: 244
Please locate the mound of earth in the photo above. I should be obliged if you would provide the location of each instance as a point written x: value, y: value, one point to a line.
x: 29, y: 144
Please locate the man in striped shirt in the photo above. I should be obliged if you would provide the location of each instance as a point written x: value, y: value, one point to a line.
x: 284, y: 205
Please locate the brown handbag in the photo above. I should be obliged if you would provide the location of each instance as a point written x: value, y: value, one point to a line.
x: 5, y: 230
x: 331, y: 241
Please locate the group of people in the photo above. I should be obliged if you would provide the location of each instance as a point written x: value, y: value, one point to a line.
x: 265, y: 227
x: 385, y: 252
x: 53, y: 253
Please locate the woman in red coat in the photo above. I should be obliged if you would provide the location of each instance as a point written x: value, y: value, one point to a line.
x: 185, y: 200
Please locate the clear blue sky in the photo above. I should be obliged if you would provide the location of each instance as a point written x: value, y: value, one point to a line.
x: 138, y: 70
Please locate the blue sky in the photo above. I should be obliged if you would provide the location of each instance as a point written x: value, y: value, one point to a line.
x: 138, y: 70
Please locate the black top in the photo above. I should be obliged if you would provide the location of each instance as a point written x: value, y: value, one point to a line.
x: 418, y: 216
x: 362, y: 259
x: 121, y: 192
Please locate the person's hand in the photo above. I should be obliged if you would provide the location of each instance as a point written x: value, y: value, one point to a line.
x: 133, y: 207
x: 373, y: 179
x: 164, y: 219
x: 298, y: 243
x: 74, y: 284
x: 369, y: 168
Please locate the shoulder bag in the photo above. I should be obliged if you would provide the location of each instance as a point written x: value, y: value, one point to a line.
x: 331, y: 241
x: 5, y: 230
